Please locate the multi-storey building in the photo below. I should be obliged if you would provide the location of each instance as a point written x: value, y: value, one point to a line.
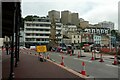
x: 38, y: 31
x: 66, y: 17
x: 75, y: 18
x: 55, y: 14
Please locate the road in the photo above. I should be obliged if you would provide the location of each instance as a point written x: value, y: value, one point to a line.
x: 94, y: 69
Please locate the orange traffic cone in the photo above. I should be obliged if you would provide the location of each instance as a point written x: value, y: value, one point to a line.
x: 78, y: 54
x: 48, y: 57
x: 62, y: 63
x: 101, y: 59
x: 115, y: 60
x: 92, y: 56
x: 83, y: 72
x: 71, y: 53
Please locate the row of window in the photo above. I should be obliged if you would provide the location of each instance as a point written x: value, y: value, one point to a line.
x: 42, y: 25
x: 97, y: 37
x: 27, y: 29
x: 37, y: 29
x: 35, y: 34
x: 38, y: 39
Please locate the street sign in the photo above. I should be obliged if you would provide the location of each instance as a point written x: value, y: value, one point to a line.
x: 41, y: 48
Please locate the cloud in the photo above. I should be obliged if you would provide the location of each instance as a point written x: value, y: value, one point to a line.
x: 92, y: 10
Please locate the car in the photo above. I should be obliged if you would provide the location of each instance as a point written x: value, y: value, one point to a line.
x: 64, y: 50
x: 22, y: 47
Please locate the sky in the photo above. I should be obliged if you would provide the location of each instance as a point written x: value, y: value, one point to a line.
x: 94, y: 11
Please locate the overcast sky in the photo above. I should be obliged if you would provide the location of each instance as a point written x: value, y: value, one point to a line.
x: 93, y: 11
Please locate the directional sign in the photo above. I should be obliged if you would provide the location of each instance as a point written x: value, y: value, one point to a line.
x: 41, y: 48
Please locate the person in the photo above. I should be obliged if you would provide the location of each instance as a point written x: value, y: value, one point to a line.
x: 7, y: 49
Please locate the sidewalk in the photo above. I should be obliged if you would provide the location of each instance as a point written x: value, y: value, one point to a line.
x: 30, y: 67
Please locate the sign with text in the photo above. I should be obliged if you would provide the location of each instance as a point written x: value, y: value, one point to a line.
x: 41, y: 48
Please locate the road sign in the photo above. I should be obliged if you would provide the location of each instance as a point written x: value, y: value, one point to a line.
x: 41, y: 48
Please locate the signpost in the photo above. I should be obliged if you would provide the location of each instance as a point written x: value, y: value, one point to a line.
x: 42, y: 49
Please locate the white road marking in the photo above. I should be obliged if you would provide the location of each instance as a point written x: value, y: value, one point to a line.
x: 107, y: 60
x: 112, y: 65
x: 63, y: 55
x: 82, y: 60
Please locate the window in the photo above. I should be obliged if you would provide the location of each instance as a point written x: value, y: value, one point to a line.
x: 74, y: 41
x: 78, y: 41
x: 74, y: 36
x: 78, y: 36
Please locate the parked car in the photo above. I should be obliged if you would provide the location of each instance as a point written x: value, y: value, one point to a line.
x: 64, y: 50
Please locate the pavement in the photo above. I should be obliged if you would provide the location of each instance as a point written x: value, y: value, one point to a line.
x: 29, y: 67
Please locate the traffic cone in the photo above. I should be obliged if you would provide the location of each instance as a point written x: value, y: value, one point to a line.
x: 92, y: 56
x: 83, y: 72
x: 71, y: 53
x: 78, y: 54
x: 48, y: 57
x: 115, y: 60
x: 101, y: 59
x: 62, y: 63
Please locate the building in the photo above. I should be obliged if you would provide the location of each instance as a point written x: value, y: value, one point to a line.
x: 76, y: 38
x: 22, y: 43
x: 84, y: 24
x: 97, y: 30
x: 66, y: 17
x: 54, y: 13
x: 107, y: 24
x: 38, y: 31
x: 105, y: 41
x: 75, y: 18
x: 97, y: 39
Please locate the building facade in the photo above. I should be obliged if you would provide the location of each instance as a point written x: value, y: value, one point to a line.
x: 38, y: 31
x: 66, y: 17
x: 107, y: 24
x: 55, y: 14
x: 75, y: 18
x: 97, y: 39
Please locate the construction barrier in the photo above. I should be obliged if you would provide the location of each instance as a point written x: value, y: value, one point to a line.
x: 92, y: 58
x: 83, y: 71
x: 101, y: 59
x: 115, y: 60
x: 62, y: 62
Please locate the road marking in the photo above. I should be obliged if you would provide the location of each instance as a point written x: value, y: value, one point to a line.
x: 108, y: 60
x: 83, y: 60
x: 112, y: 65
x: 63, y: 55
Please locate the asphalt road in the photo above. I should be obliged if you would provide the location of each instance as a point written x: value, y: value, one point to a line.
x: 94, y: 69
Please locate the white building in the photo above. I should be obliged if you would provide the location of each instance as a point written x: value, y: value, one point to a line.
x: 67, y: 29
x: 38, y: 31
